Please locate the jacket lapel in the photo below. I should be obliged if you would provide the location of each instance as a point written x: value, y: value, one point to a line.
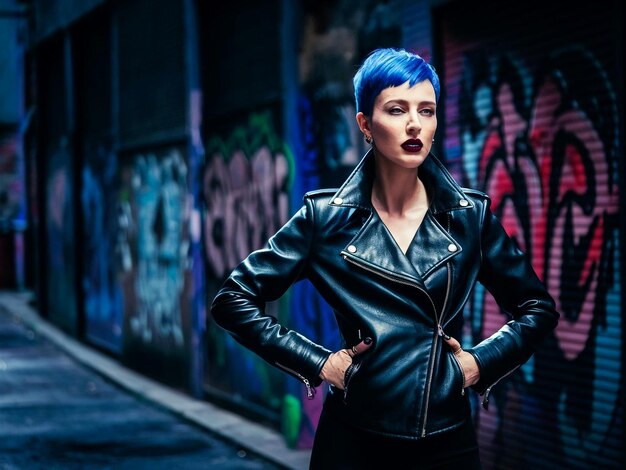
x: 374, y: 247
x: 432, y: 246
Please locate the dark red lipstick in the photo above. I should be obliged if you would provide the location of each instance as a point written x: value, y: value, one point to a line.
x: 412, y: 145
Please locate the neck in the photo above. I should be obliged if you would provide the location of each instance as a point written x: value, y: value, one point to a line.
x: 397, y: 190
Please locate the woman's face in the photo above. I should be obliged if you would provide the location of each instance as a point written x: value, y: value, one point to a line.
x: 403, y: 123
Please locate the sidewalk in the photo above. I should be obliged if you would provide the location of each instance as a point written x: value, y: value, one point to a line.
x: 256, y: 443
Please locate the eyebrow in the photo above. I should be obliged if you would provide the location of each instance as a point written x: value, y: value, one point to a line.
x: 401, y: 101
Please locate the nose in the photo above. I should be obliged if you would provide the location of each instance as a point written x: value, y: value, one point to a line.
x: 413, y: 125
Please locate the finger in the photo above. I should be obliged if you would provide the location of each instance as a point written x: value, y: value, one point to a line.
x: 454, y: 344
x: 361, y: 347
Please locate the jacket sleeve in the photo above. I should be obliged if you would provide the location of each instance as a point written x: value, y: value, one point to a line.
x: 265, y: 275
x: 508, y: 275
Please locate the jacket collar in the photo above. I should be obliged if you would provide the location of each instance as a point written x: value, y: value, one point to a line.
x: 444, y: 193
x: 374, y: 247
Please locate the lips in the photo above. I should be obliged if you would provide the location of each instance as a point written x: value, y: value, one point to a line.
x: 412, y: 145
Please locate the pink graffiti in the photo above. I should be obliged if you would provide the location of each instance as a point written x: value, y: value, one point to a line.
x: 568, y: 195
x: 246, y: 202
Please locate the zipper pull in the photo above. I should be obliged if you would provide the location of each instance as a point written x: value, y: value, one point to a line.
x: 440, y: 331
x: 310, y: 391
x: 486, y: 399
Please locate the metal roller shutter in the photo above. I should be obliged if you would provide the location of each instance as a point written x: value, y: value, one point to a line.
x: 531, y: 117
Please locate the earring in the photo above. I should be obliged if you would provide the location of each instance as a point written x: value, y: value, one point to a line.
x: 433, y: 139
x: 368, y: 139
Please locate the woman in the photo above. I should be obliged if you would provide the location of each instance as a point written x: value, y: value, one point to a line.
x: 395, y: 252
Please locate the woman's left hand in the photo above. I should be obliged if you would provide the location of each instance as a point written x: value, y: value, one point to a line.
x: 334, y: 369
x: 469, y: 365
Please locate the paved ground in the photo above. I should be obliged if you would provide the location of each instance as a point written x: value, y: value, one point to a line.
x: 64, y: 406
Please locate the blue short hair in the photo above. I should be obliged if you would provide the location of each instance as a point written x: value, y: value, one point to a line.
x: 387, y: 67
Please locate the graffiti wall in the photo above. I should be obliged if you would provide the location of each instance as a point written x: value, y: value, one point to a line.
x: 151, y: 249
x: 103, y: 255
x: 533, y: 122
x: 245, y: 188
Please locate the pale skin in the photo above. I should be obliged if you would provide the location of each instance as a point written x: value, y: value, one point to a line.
x: 400, y: 115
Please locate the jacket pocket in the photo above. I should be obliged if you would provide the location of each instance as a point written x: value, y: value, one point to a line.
x: 458, y: 366
x: 349, y: 375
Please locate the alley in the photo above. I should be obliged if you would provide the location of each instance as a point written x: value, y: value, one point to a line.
x: 57, y: 413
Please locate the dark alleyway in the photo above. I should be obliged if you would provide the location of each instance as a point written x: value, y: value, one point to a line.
x: 57, y: 413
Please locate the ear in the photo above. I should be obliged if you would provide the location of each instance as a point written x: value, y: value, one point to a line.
x: 363, y: 123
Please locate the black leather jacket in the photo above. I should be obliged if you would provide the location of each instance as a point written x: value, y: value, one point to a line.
x: 409, y: 384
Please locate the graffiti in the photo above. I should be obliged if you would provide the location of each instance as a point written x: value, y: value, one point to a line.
x: 102, y: 295
x: 154, y: 246
x: 245, y: 186
x: 545, y: 151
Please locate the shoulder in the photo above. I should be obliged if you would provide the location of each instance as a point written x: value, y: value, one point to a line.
x: 476, y: 195
x: 320, y: 197
x: 321, y: 193
x: 327, y: 217
x: 479, y: 201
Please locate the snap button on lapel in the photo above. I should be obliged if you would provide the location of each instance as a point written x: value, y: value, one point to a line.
x: 451, y: 247
x: 464, y: 203
x: 337, y: 201
x: 352, y: 249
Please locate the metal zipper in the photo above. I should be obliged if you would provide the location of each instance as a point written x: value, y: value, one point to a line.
x: 445, y: 300
x: 441, y: 327
x: 488, y: 389
x: 462, y: 374
x: 346, y: 381
x: 310, y: 390
x: 430, y: 379
x: 440, y: 332
x: 449, y: 219
x: 396, y: 278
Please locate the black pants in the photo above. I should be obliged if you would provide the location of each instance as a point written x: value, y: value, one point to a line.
x: 341, y: 447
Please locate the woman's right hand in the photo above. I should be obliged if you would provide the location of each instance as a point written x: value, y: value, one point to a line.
x: 334, y: 370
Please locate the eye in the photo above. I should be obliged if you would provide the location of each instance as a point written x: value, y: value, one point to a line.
x: 396, y: 110
x: 427, y: 112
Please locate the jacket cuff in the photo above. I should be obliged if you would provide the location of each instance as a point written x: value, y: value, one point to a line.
x: 496, y: 356
x: 318, y: 358
x: 306, y: 364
